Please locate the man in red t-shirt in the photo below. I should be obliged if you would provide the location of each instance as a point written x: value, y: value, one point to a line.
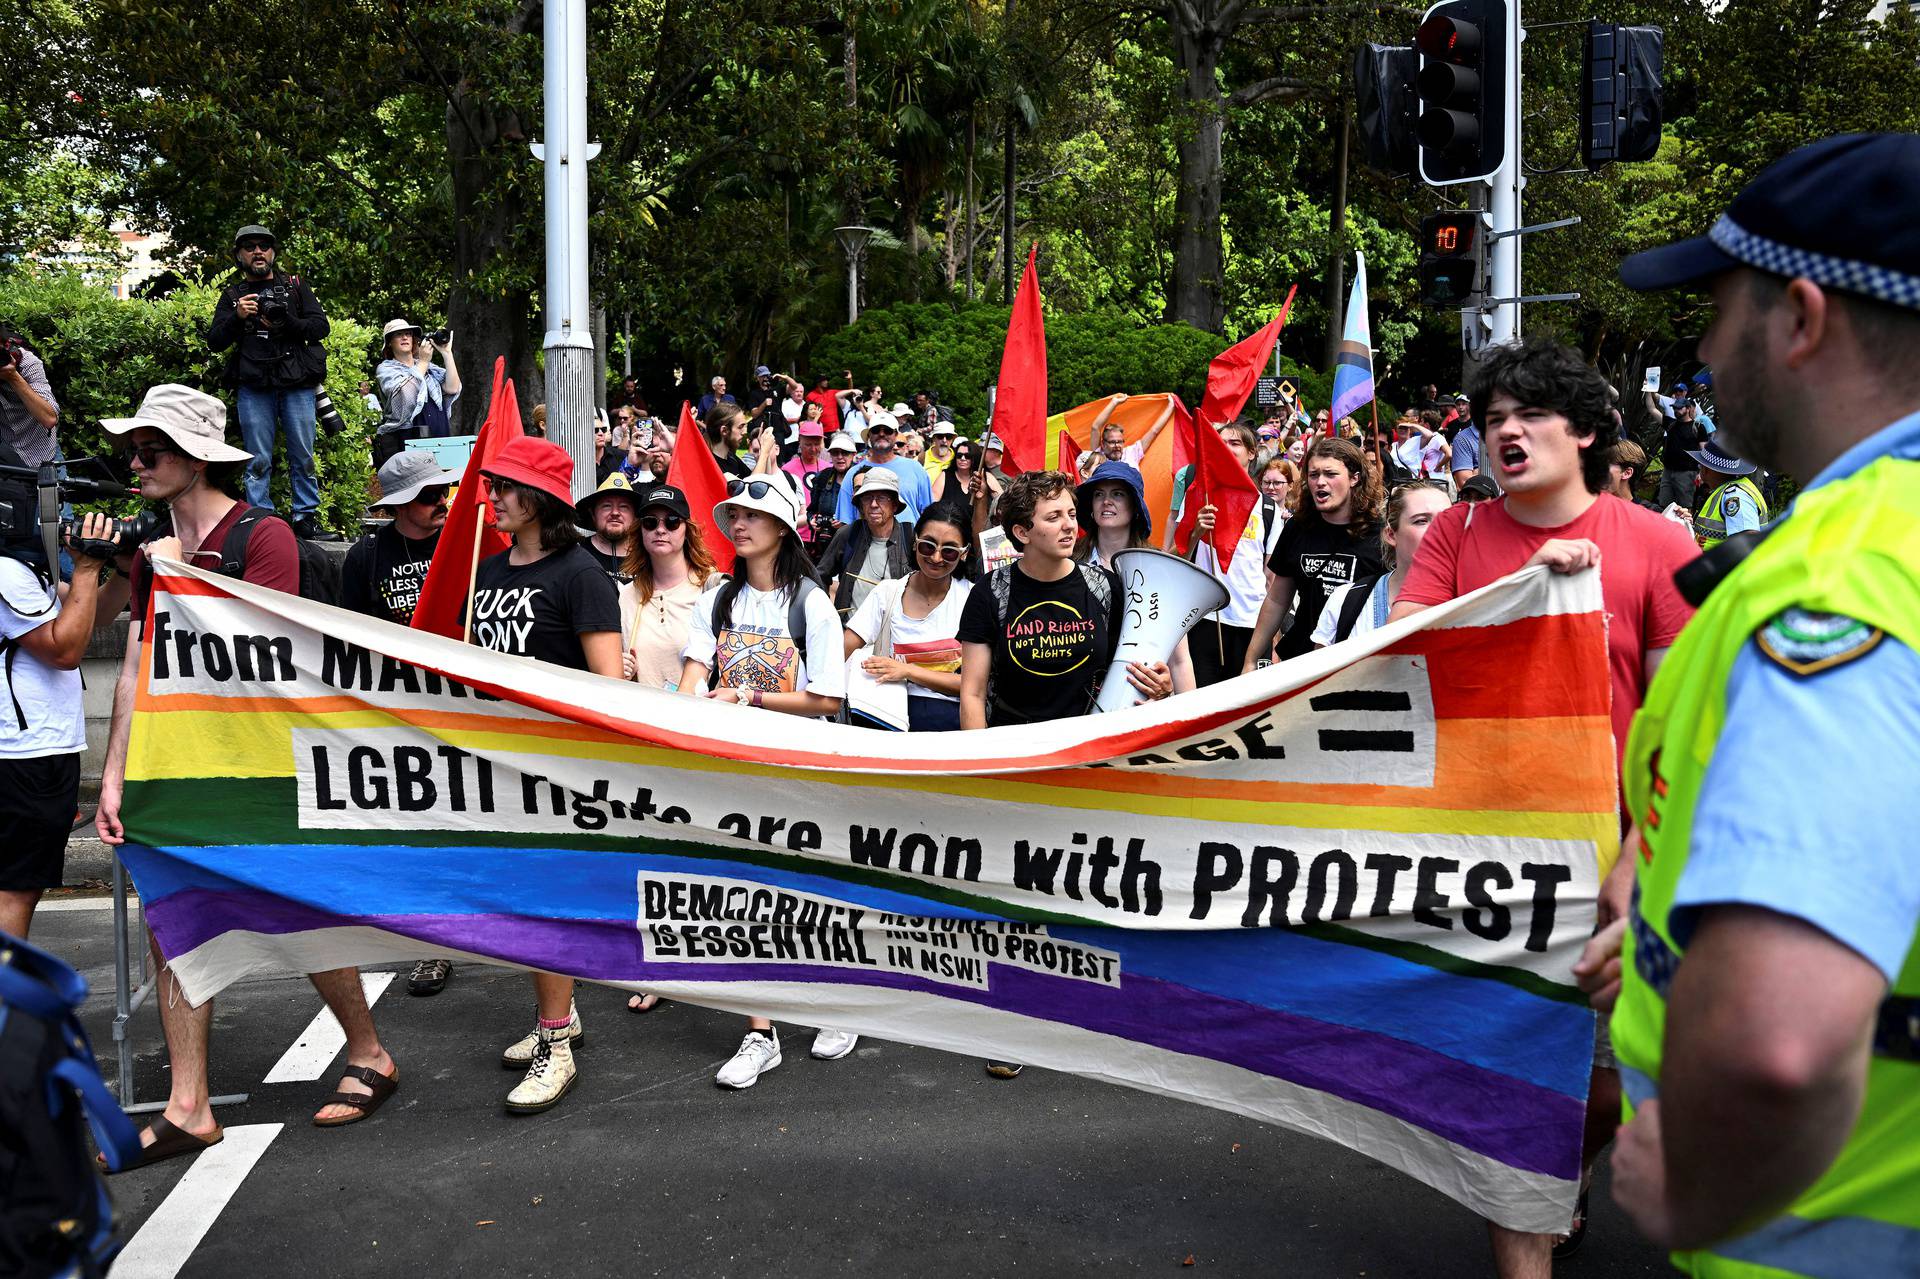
x: 177, y: 441
x: 1546, y: 419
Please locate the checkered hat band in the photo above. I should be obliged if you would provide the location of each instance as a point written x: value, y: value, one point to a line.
x: 1895, y: 287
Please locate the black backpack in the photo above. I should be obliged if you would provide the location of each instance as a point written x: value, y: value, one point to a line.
x: 319, y: 571
x: 55, y: 1218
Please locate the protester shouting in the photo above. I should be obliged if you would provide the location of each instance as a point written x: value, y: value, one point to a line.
x: 913, y: 622
x: 769, y: 638
x: 1362, y: 606
x: 178, y: 451
x: 1548, y: 423
x: 547, y: 598
x: 1332, y: 540
x: 1112, y: 509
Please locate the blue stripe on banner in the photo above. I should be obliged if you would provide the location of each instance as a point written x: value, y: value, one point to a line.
x: 1349, y: 985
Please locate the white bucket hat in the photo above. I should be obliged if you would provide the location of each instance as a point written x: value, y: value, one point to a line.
x: 943, y: 427
x: 195, y: 421
x: 877, y: 479
x: 400, y: 326
x: 842, y: 442
x: 770, y: 494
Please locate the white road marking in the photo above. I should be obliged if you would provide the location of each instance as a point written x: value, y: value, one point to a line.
x: 84, y: 903
x: 183, y: 1218
x: 322, y: 1040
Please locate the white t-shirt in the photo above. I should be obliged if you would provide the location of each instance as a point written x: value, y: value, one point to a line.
x: 1369, y: 617
x: 1132, y: 454
x: 931, y: 642
x: 49, y: 698
x: 1246, y: 574
x: 756, y: 651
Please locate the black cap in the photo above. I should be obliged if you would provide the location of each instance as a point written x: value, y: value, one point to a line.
x: 666, y: 497
x: 1844, y: 212
x: 1480, y: 486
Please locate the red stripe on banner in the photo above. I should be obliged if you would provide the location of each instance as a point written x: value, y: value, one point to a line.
x: 1519, y: 670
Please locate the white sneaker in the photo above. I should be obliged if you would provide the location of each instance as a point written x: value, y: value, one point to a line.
x: 759, y: 1053
x: 832, y: 1045
x: 549, y: 1074
x: 519, y: 1054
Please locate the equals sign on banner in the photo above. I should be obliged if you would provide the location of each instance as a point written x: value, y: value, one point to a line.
x: 1364, y: 700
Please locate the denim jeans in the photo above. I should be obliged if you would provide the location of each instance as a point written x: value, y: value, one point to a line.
x: 262, y: 413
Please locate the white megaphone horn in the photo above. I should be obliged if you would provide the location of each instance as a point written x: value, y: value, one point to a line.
x: 1163, y: 597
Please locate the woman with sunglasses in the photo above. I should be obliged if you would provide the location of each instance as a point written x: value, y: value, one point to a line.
x: 743, y: 633
x: 547, y: 598
x: 914, y: 622
x: 954, y: 481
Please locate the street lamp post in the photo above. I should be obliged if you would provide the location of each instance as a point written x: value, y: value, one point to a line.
x: 854, y: 240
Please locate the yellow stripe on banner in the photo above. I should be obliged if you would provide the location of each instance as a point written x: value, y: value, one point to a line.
x: 191, y: 744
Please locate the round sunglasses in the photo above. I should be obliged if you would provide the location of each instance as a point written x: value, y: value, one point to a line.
x: 654, y: 523
x: 945, y: 552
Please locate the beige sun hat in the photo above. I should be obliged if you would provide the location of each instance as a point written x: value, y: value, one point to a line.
x: 195, y: 421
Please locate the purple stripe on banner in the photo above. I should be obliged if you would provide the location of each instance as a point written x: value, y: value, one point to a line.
x: 1515, y: 1122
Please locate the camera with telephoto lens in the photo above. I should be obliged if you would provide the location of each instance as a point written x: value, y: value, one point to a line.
x: 30, y: 502
x: 11, y: 349
x: 326, y: 414
x: 440, y: 337
x: 273, y: 301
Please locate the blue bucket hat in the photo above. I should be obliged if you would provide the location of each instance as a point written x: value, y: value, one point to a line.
x: 1844, y: 212
x: 1106, y: 471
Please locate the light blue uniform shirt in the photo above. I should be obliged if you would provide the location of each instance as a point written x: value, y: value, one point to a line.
x: 1745, y: 517
x: 1808, y: 805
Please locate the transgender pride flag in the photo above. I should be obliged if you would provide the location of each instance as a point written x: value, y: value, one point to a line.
x: 1353, y: 367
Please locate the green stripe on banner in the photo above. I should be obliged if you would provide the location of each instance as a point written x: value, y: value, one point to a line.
x: 261, y: 811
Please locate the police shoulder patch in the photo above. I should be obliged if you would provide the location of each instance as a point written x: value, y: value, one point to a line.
x: 1807, y: 643
x: 1731, y: 506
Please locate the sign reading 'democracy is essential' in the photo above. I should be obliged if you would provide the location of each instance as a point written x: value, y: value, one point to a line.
x: 1341, y: 894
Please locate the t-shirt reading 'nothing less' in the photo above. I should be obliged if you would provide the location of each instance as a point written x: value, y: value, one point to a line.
x: 1051, y: 648
x: 1319, y: 558
x: 540, y: 610
x: 384, y: 573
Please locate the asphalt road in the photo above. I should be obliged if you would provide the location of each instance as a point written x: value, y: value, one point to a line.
x: 896, y: 1160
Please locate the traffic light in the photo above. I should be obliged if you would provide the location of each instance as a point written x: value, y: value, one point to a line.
x: 1453, y: 255
x: 1462, y: 129
x: 1620, y: 94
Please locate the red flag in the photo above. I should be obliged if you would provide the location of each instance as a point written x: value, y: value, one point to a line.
x: 1232, y: 373
x: 1067, y: 453
x: 1219, y: 480
x: 468, y: 536
x: 1020, y: 402
x: 694, y: 472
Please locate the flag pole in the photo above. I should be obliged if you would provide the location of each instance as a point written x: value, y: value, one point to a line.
x: 473, y: 575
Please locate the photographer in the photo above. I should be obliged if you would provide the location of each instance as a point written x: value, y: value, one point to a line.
x: 274, y: 325
x: 417, y: 399
x: 28, y: 411
x: 42, y: 722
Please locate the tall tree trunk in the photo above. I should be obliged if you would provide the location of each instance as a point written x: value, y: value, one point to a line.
x: 485, y: 217
x: 850, y: 102
x: 1006, y: 186
x: 1198, y: 275
x: 951, y: 223
x: 1337, y: 236
x: 972, y: 203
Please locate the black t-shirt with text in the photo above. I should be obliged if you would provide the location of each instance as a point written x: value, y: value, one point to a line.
x: 1320, y: 558
x: 540, y: 610
x: 1049, y: 651
x: 384, y: 572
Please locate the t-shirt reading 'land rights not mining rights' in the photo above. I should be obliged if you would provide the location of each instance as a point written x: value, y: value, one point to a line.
x: 540, y: 610
x: 384, y: 573
x: 1050, y: 650
x: 1320, y: 558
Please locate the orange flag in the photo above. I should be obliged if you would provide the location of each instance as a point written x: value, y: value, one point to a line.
x: 694, y: 472
x: 1020, y: 400
x: 469, y: 536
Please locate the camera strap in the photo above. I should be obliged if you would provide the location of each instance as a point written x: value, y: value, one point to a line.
x: 10, y: 645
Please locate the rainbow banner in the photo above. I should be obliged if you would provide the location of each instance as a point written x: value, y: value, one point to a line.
x: 1342, y: 894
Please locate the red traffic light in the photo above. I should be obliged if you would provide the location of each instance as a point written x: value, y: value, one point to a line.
x: 1448, y: 39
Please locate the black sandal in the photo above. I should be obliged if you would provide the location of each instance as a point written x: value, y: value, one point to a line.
x: 643, y: 1006
x: 170, y: 1141
x: 384, y: 1086
x: 1566, y: 1245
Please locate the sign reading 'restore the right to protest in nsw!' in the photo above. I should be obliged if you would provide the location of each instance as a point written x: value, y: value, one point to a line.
x: 1342, y: 894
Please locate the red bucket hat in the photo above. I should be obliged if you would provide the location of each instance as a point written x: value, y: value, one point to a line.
x: 537, y: 463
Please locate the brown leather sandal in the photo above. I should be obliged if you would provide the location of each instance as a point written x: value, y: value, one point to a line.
x: 383, y: 1086
x: 170, y: 1141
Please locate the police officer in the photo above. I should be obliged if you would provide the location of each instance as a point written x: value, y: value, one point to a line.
x: 1768, y: 1018
x: 1734, y: 504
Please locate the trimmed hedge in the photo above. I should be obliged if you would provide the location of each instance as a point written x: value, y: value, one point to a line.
x: 102, y: 353
x: 955, y: 352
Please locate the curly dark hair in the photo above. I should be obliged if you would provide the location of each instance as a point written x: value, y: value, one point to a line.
x: 1543, y: 374
x: 1024, y: 495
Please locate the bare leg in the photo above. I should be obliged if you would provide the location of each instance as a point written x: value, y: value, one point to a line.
x: 341, y: 989
x: 759, y: 1023
x: 16, y: 911
x: 186, y: 1029
x: 554, y: 995
x: 1518, y: 1255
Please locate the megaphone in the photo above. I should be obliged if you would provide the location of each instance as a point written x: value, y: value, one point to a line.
x: 1164, y: 597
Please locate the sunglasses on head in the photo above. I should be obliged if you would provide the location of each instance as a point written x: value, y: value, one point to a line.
x: 148, y: 454
x: 755, y: 489
x: 654, y: 523
x: 945, y: 552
